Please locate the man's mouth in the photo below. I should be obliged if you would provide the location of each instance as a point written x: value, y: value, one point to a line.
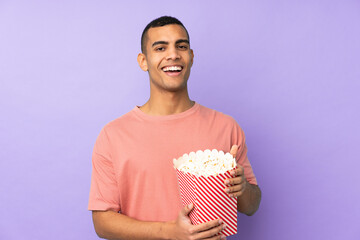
x: 172, y: 70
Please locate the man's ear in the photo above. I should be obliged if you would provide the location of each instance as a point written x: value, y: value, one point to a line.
x: 192, y: 57
x: 142, y: 62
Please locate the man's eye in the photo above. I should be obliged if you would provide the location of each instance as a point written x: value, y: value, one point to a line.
x: 159, y: 49
x: 182, y: 47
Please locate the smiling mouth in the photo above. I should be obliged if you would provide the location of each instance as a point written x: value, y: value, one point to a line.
x: 172, y: 69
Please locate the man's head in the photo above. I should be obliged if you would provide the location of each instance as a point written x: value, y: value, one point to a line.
x: 159, y: 22
x: 166, y: 55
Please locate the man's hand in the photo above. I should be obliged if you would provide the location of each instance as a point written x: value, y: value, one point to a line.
x: 183, y: 229
x: 236, y: 185
x: 248, y: 195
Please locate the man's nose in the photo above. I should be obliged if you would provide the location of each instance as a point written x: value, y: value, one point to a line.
x: 172, y: 54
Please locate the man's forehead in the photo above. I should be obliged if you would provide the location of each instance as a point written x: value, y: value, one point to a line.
x: 171, y: 32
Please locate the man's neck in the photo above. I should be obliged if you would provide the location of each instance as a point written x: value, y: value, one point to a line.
x: 167, y: 103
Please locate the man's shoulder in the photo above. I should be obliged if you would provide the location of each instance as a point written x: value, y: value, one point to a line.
x: 212, y: 113
x: 121, y: 121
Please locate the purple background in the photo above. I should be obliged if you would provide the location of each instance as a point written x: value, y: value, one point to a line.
x: 287, y: 71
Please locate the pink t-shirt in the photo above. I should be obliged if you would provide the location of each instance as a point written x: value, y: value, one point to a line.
x: 133, y: 159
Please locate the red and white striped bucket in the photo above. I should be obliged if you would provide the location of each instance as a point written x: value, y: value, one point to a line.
x: 209, y: 199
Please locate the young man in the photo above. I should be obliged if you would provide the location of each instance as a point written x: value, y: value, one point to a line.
x: 134, y: 192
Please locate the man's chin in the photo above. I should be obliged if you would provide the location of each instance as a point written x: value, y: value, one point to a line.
x: 170, y: 86
x: 175, y: 89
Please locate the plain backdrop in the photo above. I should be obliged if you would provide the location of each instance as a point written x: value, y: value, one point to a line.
x: 287, y: 71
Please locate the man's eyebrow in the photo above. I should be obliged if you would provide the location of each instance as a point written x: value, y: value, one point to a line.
x: 159, y: 42
x: 167, y: 43
x: 182, y: 41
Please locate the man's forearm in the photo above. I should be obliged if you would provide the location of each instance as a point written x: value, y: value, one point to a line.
x: 248, y: 203
x: 112, y: 225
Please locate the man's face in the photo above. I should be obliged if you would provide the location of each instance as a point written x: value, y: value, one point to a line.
x: 168, y: 57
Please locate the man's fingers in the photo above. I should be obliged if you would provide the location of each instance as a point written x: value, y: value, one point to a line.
x: 238, y: 171
x: 235, y: 188
x: 237, y: 174
x: 206, y: 226
x: 234, y: 181
x: 210, y: 233
x: 187, y: 209
x: 233, y: 150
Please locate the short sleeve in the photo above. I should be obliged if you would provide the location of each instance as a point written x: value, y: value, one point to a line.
x: 238, y: 138
x: 104, y: 192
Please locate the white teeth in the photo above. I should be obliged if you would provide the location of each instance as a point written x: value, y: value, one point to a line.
x: 172, y: 68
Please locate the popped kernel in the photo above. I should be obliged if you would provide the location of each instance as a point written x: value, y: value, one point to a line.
x: 207, y: 163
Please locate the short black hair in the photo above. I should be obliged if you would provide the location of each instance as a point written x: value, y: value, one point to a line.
x: 159, y: 22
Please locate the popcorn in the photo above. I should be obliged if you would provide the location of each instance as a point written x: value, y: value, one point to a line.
x: 201, y: 177
x: 205, y: 163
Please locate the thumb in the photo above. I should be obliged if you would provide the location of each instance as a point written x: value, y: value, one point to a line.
x: 234, y: 150
x: 187, y: 209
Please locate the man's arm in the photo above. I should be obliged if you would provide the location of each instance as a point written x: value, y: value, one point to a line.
x: 112, y: 225
x: 248, y: 203
x: 248, y: 195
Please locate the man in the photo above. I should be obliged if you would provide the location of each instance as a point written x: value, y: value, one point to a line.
x: 134, y: 192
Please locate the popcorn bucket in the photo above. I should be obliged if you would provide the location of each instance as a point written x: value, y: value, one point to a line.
x: 209, y: 198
